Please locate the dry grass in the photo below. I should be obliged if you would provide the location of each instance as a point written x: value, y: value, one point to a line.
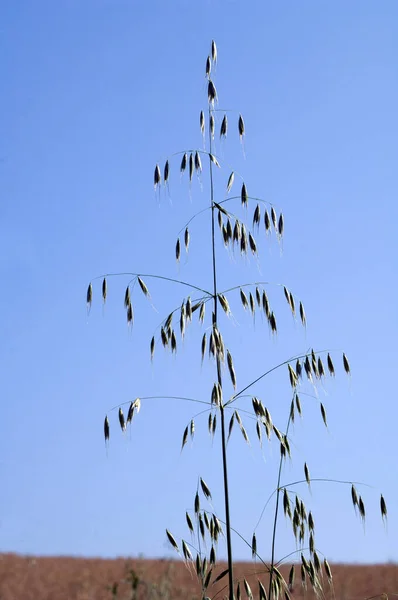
x: 63, y: 578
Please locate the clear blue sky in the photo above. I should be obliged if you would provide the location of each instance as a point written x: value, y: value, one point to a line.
x: 93, y: 94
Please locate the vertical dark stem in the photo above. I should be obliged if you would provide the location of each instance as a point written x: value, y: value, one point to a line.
x: 219, y: 377
x: 276, y: 514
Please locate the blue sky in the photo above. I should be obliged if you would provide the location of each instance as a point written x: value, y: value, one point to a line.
x: 93, y: 95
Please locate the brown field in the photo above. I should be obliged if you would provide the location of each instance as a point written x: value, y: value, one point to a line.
x: 63, y: 578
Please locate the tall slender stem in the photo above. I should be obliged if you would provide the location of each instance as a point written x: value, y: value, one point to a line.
x: 276, y: 514
x: 219, y: 377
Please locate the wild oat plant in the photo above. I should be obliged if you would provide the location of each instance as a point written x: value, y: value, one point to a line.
x: 238, y: 236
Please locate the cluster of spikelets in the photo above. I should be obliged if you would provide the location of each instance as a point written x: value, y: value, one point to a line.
x: 311, y: 367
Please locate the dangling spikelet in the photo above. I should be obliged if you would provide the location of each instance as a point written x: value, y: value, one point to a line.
x: 104, y: 290
x: 143, y: 287
x: 280, y: 225
x: 106, y: 429
x: 231, y: 369
x: 89, y: 297
x: 252, y: 244
x: 178, y: 250
x: 243, y: 195
x: 273, y: 218
x: 256, y: 216
x: 230, y: 182
x: 191, y: 166
x: 383, y: 507
x: 330, y: 365
x: 166, y: 171
x: 212, y: 128
x: 302, y: 315
x: 172, y: 540
x: 213, y: 51
x: 224, y: 127
x: 156, y: 177
x: 130, y: 314
x: 152, y: 347
x: 208, y: 67
x: 346, y: 365
x: 241, y: 127
x: 202, y: 122
x: 211, y: 93
x: 186, y: 239
x: 121, y: 420
x: 184, y: 163
x: 198, y: 162
x: 267, y: 222
x: 127, y: 297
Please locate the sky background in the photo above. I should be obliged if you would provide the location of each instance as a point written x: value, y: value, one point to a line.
x: 93, y: 95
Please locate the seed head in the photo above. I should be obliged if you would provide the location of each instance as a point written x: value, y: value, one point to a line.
x: 230, y: 182
x: 346, y: 364
x: 166, y: 171
x: 213, y: 51
x: 267, y: 221
x: 208, y: 66
x: 130, y: 313
x: 186, y: 239
x: 152, y: 347
x: 243, y: 195
x: 106, y: 429
x: 191, y: 166
x: 198, y: 162
x: 241, y: 127
x: 143, y: 287
x: 252, y: 244
x: 330, y: 365
x: 211, y: 93
x: 202, y: 122
x: 172, y: 540
x: 280, y: 225
x: 184, y: 163
x: 212, y: 127
x: 121, y: 419
x: 156, y: 176
x: 224, y: 127
x: 89, y: 294
x: 383, y: 507
x: 104, y: 289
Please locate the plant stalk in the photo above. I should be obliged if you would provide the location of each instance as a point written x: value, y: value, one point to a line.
x: 219, y: 377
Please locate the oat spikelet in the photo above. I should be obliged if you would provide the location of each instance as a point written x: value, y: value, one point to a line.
x: 211, y: 93
x: 323, y: 413
x: 198, y: 162
x: 212, y: 557
x: 166, y: 171
x: 202, y: 122
x: 106, y: 429
x: 178, y: 250
x: 243, y: 195
x: 328, y: 570
x: 241, y: 127
x: 330, y: 365
x: 361, y: 507
x: 302, y: 314
x: 143, y: 287
x: 231, y: 369
x: 172, y: 540
x: 191, y: 166
x: 354, y: 496
x: 248, y: 591
x: 184, y: 163
x: 346, y: 365
x: 267, y: 222
x: 104, y: 289
x: 89, y: 295
x: 224, y: 304
x: 230, y: 182
x: 251, y: 302
x: 291, y: 578
x: 186, y: 239
x: 262, y: 592
x: 280, y: 225
x: 203, y: 346
x: 224, y: 127
x: 197, y: 504
x: 152, y: 347
x: 121, y: 420
x: 272, y: 322
x: 307, y: 474
x: 383, y: 507
x: 252, y: 244
x: 243, y: 298
x: 212, y: 129
x: 265, y: 304
x: 184, y: 437
x: 186, y: 551
x: 231, y: 424
x: 210, y: 423
x: 173, y: 341
x: 205, y: 489
x: 189, y: 522
x: 273, y: 218
x: 208, y: 66
x: 213, y: 51
x: 292, y: 376
x: 202, y: 312
x: 254, y: 546
x: 256, y: 216
x: 156, y: 177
